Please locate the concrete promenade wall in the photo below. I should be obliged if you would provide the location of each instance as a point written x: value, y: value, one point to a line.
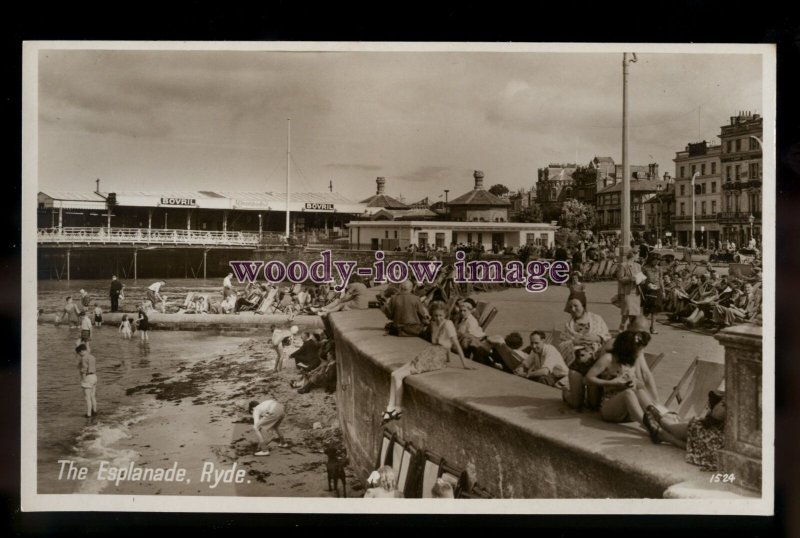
x: 201, y: 322
x: 521, y: 438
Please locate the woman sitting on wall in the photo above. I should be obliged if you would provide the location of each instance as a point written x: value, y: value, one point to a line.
x: 622, y: 374
x: 584, y: 334
x: 432, y: 358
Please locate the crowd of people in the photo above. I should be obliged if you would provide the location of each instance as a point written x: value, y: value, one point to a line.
x: 593, y: 369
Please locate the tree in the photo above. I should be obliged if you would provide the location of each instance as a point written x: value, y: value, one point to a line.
x: 532, y: 213
x: 498, y: 190
x: 577, y: 216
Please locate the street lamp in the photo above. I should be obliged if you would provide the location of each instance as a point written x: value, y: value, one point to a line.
x: 446, y: 211
x: 751, y: 219
x: 693, y: 178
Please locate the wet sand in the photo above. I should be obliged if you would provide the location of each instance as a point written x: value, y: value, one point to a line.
x: 202, y: 419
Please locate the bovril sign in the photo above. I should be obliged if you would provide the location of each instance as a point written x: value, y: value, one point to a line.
x: 178, y: 202
x: 313, y: 206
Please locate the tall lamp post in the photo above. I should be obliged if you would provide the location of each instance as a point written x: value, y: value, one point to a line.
x: 751, y: 219
x: 693, y: 178
x: 446, y: 209
x: 626, y: 181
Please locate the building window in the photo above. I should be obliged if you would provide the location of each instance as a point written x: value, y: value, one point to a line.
x: 395, y: 234
x: 694, y: 169
x: 754, y: 144
x: 480, y: 239
x: 738, y: 171
x: 738, y: 144
x: 422, y: 239
x: 713, y: 207
x: 713, y: 168
x: 469, y: 237
x: 683, y: 171
x: 728, y: 146
x: 387, y: 234
x: 727, y: 173
x: 683, y: 208
x: 754, y: 172
x: 703, y: 169
x: 702, y: 208
x: 713, y: 187
x: 683, y: 190
x: 728, y: 204
x: 439, y: 240
x: 702, y: 188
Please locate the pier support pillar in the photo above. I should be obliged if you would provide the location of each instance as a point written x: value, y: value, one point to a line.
x: 68, y: 253
x: 205, y: 252
x: 60, y: 219
x: 260, y: 226
x: 135, y: 252
x: 225, y: 221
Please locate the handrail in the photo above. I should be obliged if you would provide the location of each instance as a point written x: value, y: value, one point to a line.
x: 146, y: 236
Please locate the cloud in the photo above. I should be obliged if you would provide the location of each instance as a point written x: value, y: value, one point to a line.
x: 429, y: 173
x: 353, y: 166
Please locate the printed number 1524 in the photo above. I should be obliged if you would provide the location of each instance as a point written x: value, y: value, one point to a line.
x: 719, y: 477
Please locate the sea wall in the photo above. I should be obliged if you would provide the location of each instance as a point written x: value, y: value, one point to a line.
x: 521, y: 438
x: 202, y: 322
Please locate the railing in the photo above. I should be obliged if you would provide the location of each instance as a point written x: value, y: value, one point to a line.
x: 698, y: 218
x: 144, y: 236
x: 741, y: 184
x: 738, y: 216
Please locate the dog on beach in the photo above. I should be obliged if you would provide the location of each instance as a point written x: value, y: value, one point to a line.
x: 335, y: 466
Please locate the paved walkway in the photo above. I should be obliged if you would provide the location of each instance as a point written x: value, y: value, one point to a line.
x: 519, y: 310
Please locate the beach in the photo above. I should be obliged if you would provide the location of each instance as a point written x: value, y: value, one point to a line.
x: 194, y: 418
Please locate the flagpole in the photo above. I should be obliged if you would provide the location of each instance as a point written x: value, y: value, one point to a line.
x: 288, y: 168
x: 692, y: 243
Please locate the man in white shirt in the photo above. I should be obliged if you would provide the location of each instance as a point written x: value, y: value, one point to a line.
x: 154, y: 294
x: 227, y: 285
x: 544, y: 364
x: 268, y: 414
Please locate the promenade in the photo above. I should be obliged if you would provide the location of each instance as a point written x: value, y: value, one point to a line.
x: 522, y: 311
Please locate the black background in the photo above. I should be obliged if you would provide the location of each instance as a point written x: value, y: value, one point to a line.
x: 673, y: 22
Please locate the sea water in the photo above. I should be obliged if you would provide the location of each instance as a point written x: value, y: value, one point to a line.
x: 63, y: 431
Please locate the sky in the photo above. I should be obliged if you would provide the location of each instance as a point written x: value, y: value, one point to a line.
x: 206, y: 120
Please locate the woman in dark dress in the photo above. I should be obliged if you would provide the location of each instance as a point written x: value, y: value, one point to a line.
x: 653, y: 289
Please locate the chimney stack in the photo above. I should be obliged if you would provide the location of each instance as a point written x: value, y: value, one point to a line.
x: 478, y: 175
x: 381, y: 181
x: 97, y: 187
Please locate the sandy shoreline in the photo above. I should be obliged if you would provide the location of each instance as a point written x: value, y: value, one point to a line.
x: 201, y: 419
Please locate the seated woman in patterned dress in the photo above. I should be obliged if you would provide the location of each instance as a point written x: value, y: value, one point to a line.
x: 432, y: 358
x: 702, y: 437
x: 584, y: 335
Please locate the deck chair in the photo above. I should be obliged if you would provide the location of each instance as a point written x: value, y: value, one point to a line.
x: 591, y: 272
x: 553, y: 338
x: 507, y: 355
x: 413, y: 473
x: 400, y: 464
x: 387, y: 448
x: 485, y: 313
x: 601, y: 268
x: 430, y: 473
x: 189, y: 298
x: 266, y: 306
x: 690, y: 396
x: 653, y: 359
